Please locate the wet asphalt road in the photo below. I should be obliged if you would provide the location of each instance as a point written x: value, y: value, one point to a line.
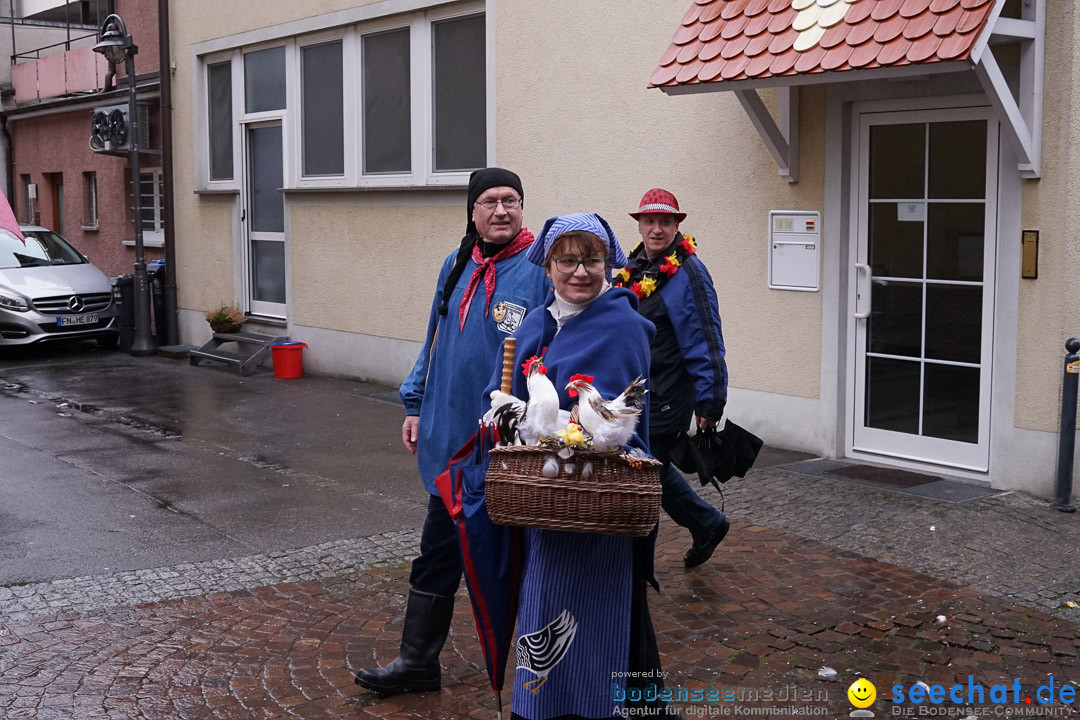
x: 111, y: 463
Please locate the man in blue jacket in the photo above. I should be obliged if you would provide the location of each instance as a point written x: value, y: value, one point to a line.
x: 485, y: 289
x: 689, y: 375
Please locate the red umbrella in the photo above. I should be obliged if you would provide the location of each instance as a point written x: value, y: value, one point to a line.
x: 491, y: 554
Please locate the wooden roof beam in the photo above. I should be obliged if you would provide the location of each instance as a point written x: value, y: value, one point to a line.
x: 1022, y: 117
x: 781, y: 139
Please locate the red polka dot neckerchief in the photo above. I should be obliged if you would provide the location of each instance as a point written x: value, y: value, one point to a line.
x: 643, y: 277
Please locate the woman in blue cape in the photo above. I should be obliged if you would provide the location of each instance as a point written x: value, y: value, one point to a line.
x: 583, y: 623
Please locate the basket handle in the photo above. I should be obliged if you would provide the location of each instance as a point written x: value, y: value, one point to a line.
x: 508, y: 365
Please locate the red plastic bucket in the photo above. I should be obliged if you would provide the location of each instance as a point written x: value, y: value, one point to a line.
x: 288, y: 359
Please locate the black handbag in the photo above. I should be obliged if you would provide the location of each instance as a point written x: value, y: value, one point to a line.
x: 717, y: 456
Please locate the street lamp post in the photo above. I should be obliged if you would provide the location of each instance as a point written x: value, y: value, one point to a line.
x: 116, y: 45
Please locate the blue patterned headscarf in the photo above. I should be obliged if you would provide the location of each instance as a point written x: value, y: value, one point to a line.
x: 588, y: 222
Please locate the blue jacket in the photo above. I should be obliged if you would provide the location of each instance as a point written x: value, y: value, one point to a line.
x: 445, y: 384
x: 689, y: 373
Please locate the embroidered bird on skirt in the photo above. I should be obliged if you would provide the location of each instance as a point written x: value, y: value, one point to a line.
x: 540, y: 651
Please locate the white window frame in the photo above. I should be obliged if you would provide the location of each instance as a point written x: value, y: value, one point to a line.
x: 90, y: 219
x: 413, y: 177
x: 349, y: 27
x: 293, y: 144
x: 155, y: 237
x: 202, y: 121
x: 458, y: 177
x: 26, y: 180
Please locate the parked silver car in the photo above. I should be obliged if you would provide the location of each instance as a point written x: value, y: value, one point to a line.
x: 49, y: 292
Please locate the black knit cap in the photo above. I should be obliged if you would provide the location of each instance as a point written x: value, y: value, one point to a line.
x: 485, y: 179
x: 480, y: 180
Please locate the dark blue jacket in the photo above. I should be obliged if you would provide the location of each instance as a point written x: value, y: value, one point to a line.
x: 689, y: 373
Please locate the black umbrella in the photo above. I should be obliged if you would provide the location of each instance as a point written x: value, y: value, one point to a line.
x: 717, y: 456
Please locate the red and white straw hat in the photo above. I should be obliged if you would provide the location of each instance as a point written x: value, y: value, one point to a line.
x: 659, y: 202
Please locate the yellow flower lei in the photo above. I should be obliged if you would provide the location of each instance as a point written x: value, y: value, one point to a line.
x: 648, y: 285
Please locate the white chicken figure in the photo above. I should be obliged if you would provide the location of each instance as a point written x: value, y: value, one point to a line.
x: 531, y: 422
x: 542, y: 413
x: 610, y: 423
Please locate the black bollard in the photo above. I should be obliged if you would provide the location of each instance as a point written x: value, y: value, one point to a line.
x: 1067, y: 439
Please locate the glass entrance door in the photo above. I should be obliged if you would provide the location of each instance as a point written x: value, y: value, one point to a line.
x: 924, y: 290
x: 264, y: 211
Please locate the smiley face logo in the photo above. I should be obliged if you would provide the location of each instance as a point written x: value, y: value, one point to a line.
x: 498, y: 313
x: 862, y: 693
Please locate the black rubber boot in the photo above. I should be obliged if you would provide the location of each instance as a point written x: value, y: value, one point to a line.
x: 416, y: 668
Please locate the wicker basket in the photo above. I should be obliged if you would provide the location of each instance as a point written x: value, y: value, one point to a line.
x: 621, y: 497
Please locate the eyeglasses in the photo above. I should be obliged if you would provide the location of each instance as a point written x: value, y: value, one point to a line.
x: 509, y: 203
x: 569, y: 265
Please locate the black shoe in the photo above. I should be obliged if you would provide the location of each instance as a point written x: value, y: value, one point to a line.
x: 699, y: 552
x: 416, y: 668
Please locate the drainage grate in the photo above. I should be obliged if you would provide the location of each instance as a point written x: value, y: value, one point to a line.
x: 893, y: 479
x: 817, y: 468
x: 951, y: 491
x: 882, y: 476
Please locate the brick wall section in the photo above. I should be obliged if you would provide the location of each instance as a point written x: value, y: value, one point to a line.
x: 57, y: 145
x: 141, y: 18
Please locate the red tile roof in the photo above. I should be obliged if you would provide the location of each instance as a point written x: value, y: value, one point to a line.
x: 731, y: 40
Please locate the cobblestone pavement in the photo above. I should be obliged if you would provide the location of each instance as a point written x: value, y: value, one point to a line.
x: 817, y: 571
x: 318, y: 562
x: 1009, y: 545
x: 988, y: 544
x: 764, y: 616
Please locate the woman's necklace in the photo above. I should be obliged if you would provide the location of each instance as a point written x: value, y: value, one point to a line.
x: 642, y: 278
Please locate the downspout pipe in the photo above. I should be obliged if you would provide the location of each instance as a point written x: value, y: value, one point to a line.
x: 9, y: 146
x: 172, y: 333
x: 9, y: 151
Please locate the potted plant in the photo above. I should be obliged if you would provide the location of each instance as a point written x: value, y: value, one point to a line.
x: 225, y: 318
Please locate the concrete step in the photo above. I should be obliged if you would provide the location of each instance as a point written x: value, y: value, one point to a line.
x: 223, y: 356
x: 245, y: 338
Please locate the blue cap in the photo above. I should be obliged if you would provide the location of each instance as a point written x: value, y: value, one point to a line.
x: 588, y: 222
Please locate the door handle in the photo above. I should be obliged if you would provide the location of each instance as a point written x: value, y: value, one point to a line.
x: 860, y: 267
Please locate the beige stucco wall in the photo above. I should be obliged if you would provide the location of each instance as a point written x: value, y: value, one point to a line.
x: 1050, y: 306
x: 346, y: 254
x: 577, y: 121
x: 378, y: 275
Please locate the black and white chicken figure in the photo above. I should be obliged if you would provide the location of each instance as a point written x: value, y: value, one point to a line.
x: 610, y: 423
x: 540, y: 651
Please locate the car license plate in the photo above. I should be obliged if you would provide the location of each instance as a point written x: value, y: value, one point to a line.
x: 70, y: 320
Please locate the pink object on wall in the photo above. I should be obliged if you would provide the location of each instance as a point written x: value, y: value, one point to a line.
x: 51, y: 76
x: 24, y: 79
x: 85, y: 70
